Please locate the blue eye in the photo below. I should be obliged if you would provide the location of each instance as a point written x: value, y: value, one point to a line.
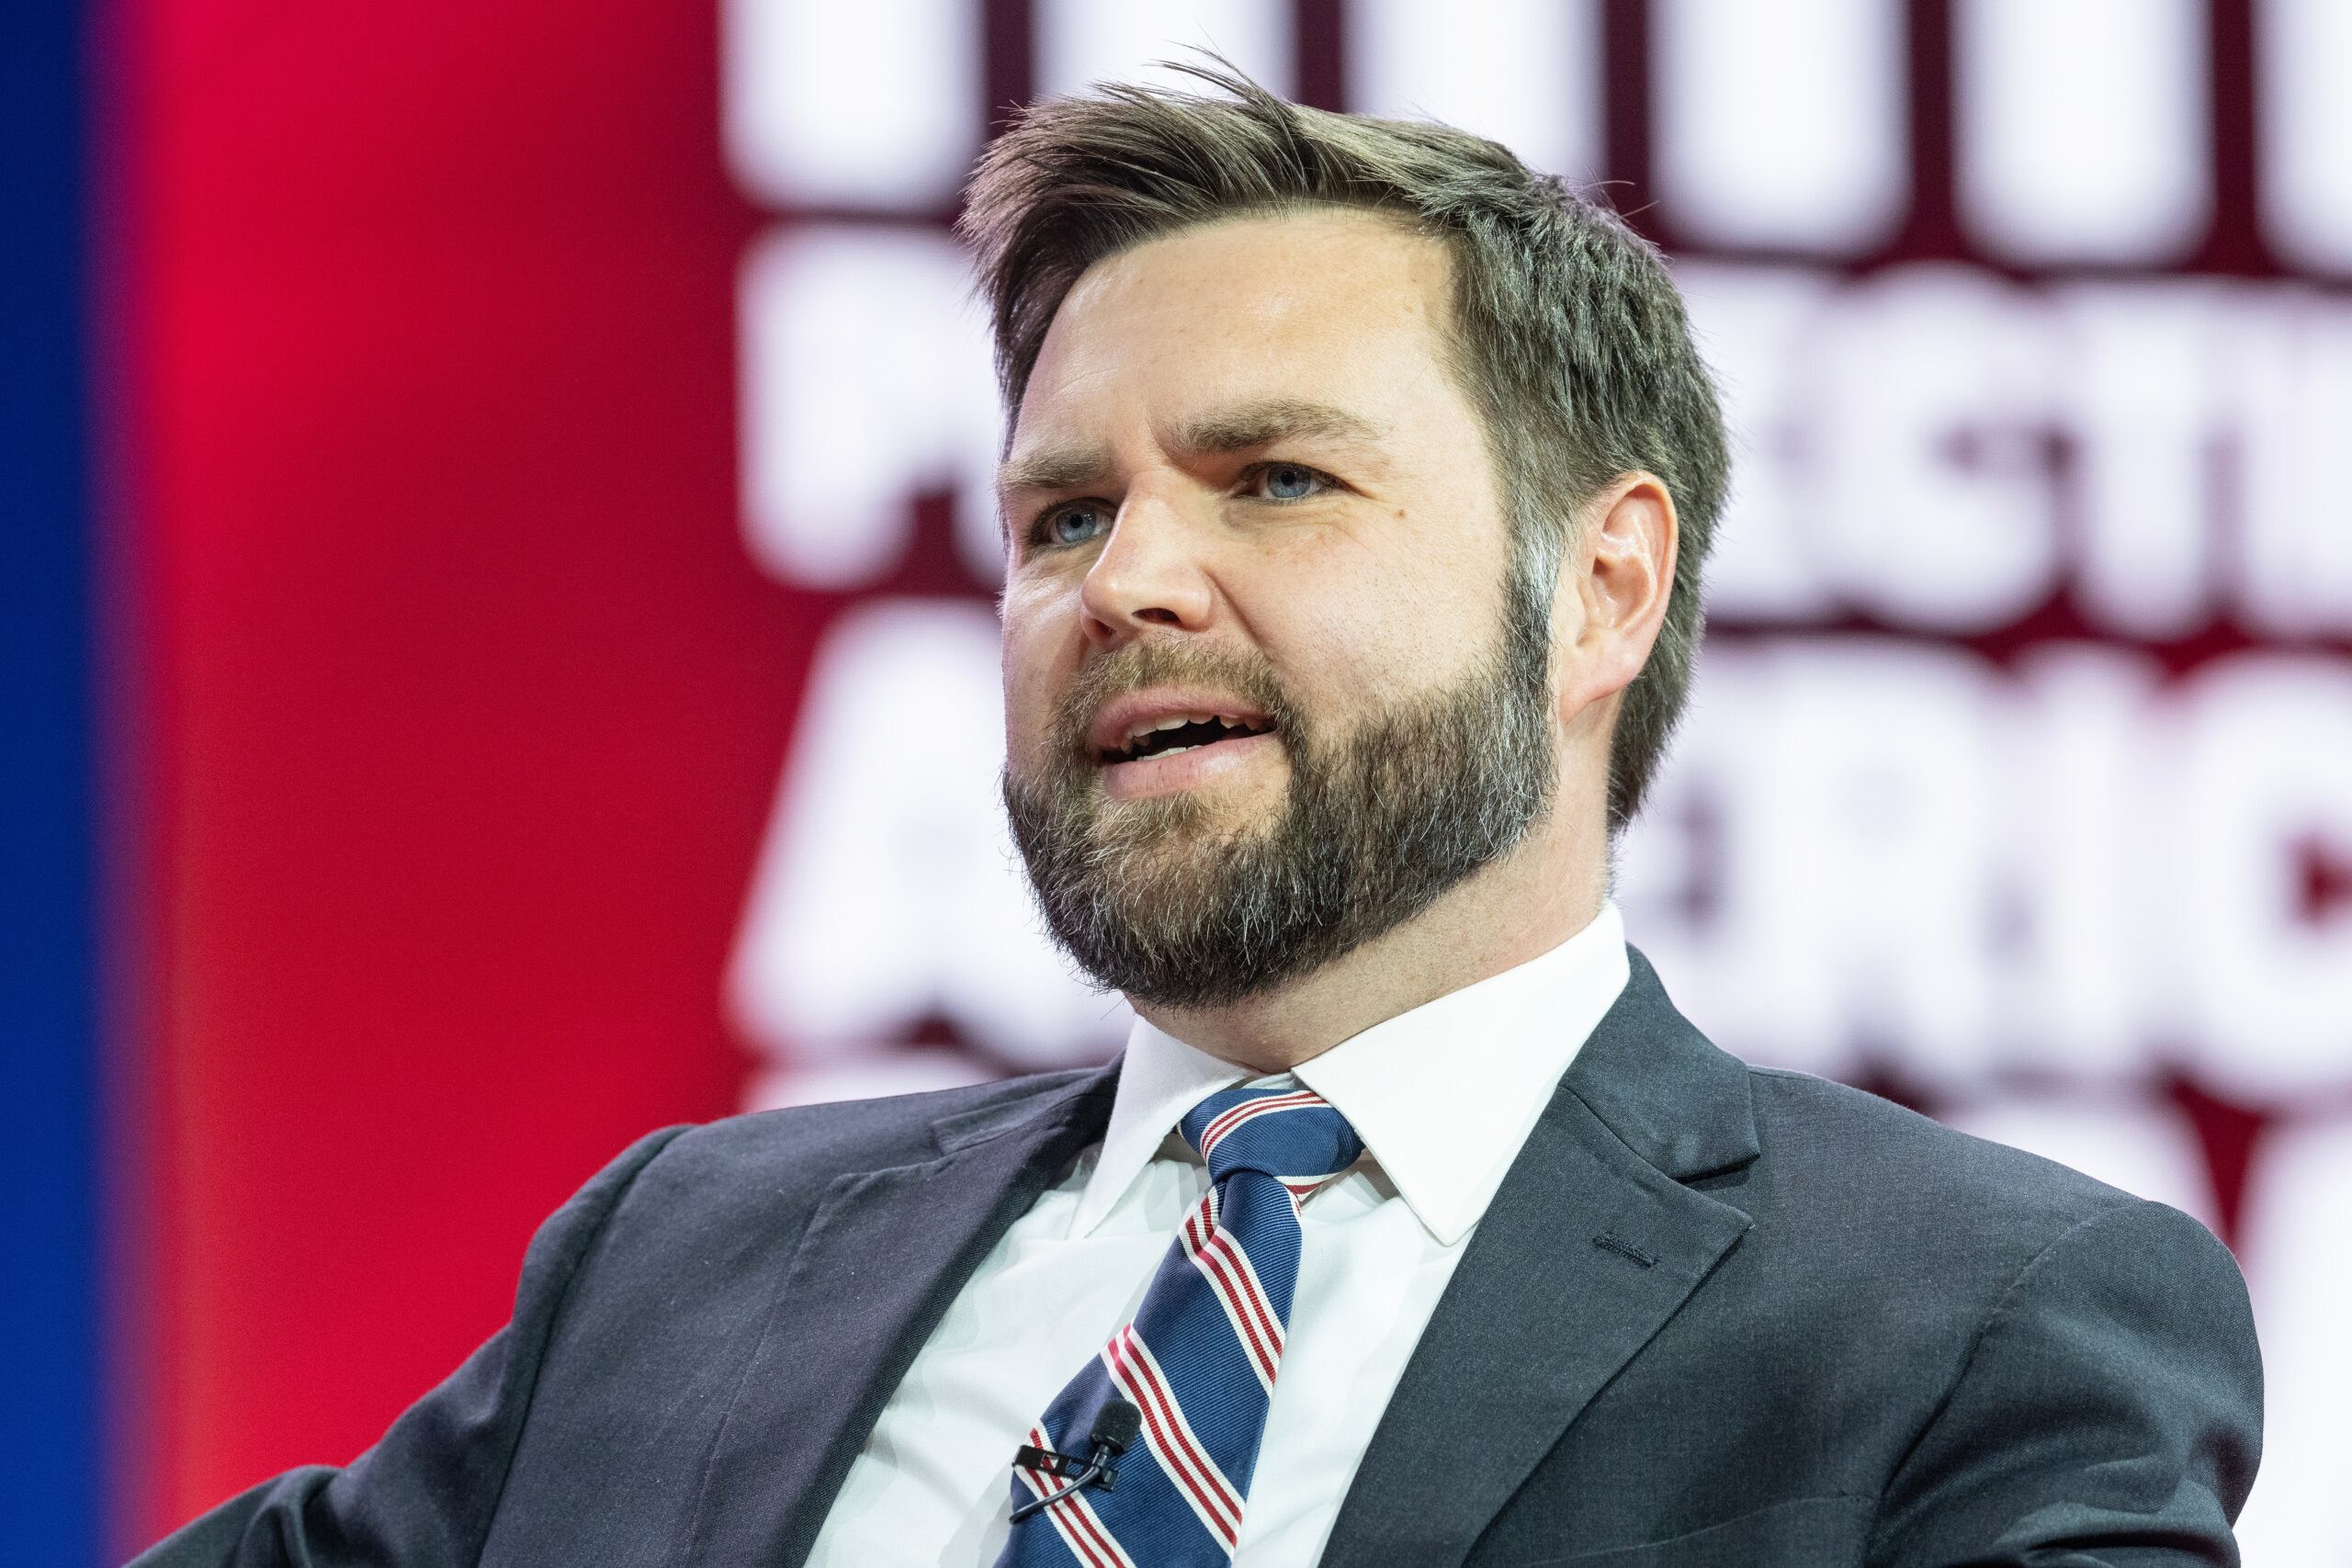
x: 1076, y: 524
x: 1288, y: 481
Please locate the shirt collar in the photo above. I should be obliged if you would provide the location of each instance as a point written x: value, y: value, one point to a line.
x: 1442, y: 1096
x: 1160, y: 1077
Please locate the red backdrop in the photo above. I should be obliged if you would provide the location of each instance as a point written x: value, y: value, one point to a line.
x: 460, y: 701
x: 465, y: 650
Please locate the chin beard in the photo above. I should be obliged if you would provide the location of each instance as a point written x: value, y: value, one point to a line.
x: 1156, y: 899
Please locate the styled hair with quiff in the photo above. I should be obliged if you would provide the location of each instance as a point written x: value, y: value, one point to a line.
x: 1567, y: 333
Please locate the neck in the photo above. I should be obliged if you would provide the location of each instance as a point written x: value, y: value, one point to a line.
x: 1519, y: 908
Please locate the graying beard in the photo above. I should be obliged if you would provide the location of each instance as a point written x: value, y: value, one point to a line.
x: 1372, y: 837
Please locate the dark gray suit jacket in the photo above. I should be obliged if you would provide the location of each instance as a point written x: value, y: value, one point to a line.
x: 1715, y: 1316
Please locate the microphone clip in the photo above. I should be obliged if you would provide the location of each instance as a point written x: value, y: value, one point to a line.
x: 1069, y: 1467
x: 1116, y: 1425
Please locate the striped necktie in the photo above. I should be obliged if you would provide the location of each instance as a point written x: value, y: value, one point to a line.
x: 1199, y: 1359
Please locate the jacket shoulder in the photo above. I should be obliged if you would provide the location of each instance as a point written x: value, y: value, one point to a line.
x: 848, y: 1131
x: 1825, y: 1126
x: 1842, y: 1162
x: 752, y: 1172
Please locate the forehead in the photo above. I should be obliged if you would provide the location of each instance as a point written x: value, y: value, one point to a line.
x: 1343, y: 307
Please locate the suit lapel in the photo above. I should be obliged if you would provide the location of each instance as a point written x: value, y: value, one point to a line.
x: 884, y: 1255
x: 1591, y: 1244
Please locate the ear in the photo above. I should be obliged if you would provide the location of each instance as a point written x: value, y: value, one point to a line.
x: 1612, y: 592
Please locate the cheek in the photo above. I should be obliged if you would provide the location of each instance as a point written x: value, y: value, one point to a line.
x: 1035, y: 674
x: 1377, y: 615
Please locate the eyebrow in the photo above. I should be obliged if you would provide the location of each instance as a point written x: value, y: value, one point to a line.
x: 1232, y: 430
x: 1277, y: 419
x: 1055, y: 468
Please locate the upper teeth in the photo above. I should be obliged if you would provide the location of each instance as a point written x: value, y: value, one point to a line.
x: 1177, y: 720
x: 1174, y: 721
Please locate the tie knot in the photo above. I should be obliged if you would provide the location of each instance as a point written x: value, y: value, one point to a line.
x: 1281, y: 1129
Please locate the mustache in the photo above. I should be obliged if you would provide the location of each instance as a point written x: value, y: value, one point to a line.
x: 1140, y: 664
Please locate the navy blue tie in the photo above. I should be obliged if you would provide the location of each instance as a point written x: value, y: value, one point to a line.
x: 1200, y: 1358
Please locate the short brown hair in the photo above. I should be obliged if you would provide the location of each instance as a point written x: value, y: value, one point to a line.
x: 1567, y: 333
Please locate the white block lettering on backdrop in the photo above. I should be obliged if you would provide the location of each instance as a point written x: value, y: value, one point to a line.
x: 1935, y: 398
x: 872, y: 105
x: 1865, y: 851
x: 2084, y: 128
x: 1841, y: 792
x: 2028, y: 888
x: 1757, y: 326
x: 2304, y: 48
x: 2291, y: 377
x: 1079, y: 42
x: 2138, y: 394
x: 864, y: 366
x: 2265, y: 783
x: 1782, y: 127
x: 1940, y: 448
x: 2083, y: 830
x: 1524, y: 72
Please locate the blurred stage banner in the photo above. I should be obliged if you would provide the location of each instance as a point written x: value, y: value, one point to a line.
x: 569, y: 550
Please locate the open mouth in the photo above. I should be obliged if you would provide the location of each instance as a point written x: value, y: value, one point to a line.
x: 1180, y: 732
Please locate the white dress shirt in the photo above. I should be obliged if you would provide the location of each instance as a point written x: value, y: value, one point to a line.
x: 1442, y: 1097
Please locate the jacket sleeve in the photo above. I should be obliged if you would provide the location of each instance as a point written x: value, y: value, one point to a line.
x: 425, y: 1494
x: 2110, y: 1413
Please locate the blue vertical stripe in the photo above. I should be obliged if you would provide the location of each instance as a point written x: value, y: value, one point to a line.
x: 49, y: 1294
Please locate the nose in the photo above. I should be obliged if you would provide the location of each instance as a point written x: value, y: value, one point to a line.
x: 1148, y: 574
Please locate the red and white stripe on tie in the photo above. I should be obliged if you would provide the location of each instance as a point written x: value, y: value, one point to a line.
x: 1234, y: 1283
x: 1174, y: 1442
x: 1250, y: 1110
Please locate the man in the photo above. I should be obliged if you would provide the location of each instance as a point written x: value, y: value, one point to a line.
x: 1356, y: 489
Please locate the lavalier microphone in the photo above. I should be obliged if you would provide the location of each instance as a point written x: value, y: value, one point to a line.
x: 1116, y: 1426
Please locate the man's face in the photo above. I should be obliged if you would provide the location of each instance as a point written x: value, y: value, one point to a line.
x: 1274, y: 676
